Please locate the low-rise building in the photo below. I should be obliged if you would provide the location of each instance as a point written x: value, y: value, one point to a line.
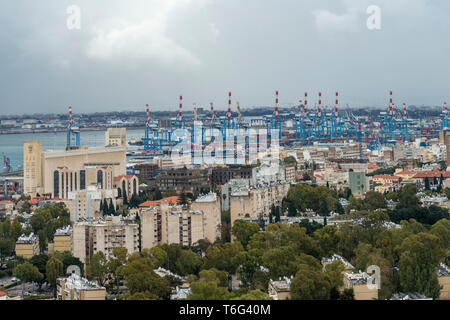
x: 183, y: 179
x: 280, y: 289
x: 222, y: 175
x: 78, y: 288
x: 443, y: 273
x: 326, y: 261
x: 27, y: 246
x: 62, y: 240
x: 362, y: 285
x: 146, y: 170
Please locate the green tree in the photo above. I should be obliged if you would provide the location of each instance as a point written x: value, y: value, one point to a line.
x: 407, y: 197
x: 328, y: 239
x: 427, y: 184
x: 374, y: 200
x: 323, y: 209
x: 111, y: 208
x: 310, y: 284
x: 333, y: 272
x: 421, y: 254
x: 254, y: 295
x: 16, y: 230
x: 54, y: 270
x: 156, y: 255
x: 40, y: 262
x: 244, y: 230
x: 208, y: 290
x: 339, y: 208
x: 42, y: 240
x: 26, y: 272
x: 183, y: 199
x: 118, y: 260
x: 97, y: 268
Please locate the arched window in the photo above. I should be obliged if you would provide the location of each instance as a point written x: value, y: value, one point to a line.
x: 100, y: 178
x: 56, y: 184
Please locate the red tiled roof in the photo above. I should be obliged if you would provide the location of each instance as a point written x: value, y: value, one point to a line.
x: 386, y: 177
x: 3, y: 294
x: 372, y: 166
x: 432, y: 174
x: 406, y: 172
x: 126, y: 177
x: 171, y: 200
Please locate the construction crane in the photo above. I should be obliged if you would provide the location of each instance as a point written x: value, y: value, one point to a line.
x: 6, y: 163
x: 72, y: 129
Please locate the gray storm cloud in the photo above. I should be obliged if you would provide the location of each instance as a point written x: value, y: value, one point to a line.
x: 129, y: 53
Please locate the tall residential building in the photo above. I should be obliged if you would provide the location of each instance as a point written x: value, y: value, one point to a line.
x: 357, y: 182
x: 86, y: 204
x: 166, y: 224
x: 116, y: 137
x: 32, y: 167
x: 92, y: 236
x: 256, y: 201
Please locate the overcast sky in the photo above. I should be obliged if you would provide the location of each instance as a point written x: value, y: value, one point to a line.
x: 132, y: 52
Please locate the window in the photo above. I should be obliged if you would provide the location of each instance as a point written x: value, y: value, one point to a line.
x: 56, y: 184
x: 82, y: 179
x: 134, y: 186
x: 62, y: 184
x: 100, y: 178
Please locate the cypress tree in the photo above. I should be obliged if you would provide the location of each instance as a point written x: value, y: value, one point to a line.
x: 111, y: 209
x: 277, y: 215
x: 125, y: 197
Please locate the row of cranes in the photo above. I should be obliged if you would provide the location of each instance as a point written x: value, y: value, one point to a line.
x: 232, y: 131
x: 321, y: 124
